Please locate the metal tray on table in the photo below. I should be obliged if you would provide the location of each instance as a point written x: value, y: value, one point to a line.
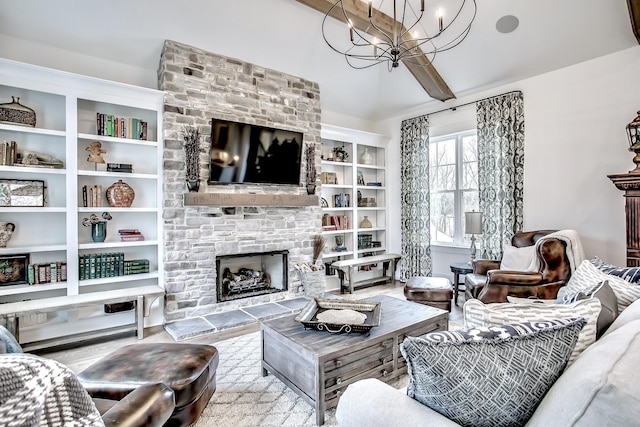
x: 308, y: 315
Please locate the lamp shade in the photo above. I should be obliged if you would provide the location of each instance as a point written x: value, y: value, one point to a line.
x: 473, y: 222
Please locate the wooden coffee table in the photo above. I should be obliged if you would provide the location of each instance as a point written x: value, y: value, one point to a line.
x: 318, y: 366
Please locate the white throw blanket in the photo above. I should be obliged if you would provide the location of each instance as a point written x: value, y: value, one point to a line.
x: 575, y: 253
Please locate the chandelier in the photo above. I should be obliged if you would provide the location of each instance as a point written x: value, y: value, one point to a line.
x: 397, y: 32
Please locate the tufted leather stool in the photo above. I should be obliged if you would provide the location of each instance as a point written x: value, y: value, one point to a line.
x: 434, y: 291
x: 188, y: 369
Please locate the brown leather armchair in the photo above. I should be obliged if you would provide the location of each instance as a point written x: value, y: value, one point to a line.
x: 145, y: 405
x: 490, y: 284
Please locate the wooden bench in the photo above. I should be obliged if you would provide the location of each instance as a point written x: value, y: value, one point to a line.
x: 348, y: 267
x: 144, y: 297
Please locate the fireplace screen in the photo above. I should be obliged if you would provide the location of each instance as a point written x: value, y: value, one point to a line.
x: 248, y: 275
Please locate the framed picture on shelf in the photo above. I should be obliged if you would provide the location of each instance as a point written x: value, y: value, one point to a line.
x: 13, y: 269
x: 21, y: 193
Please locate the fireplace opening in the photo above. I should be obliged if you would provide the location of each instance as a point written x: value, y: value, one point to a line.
x: 248, y: 275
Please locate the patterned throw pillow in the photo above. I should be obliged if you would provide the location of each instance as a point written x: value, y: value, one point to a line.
x: 630, y: 274
x: 477, y: 314
x: 493, y: 376
x: 587, y: 275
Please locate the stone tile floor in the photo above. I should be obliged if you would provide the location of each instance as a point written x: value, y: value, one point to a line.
x: 183, y: 329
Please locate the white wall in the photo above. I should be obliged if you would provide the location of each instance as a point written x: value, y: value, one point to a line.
x: 575, y: 122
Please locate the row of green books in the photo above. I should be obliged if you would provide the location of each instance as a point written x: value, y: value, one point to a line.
x: 111, y: 264
x: 47, y: 272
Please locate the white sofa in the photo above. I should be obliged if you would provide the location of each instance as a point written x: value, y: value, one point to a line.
x: 601, y: 388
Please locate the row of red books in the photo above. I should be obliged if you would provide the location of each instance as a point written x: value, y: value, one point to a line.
x: 130, y: 235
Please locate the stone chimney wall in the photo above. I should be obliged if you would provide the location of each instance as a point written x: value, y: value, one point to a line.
x: 199, y: 86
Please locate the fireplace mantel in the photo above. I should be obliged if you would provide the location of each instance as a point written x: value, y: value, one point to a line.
x: 235, y: 199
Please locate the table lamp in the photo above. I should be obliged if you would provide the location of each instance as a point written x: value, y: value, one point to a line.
x: 473, y: 226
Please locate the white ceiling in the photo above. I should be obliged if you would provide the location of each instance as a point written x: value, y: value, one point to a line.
x: 285, y: 35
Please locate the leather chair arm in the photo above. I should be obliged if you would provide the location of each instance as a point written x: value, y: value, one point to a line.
x: 497, y: 292
x: 507, y: 277
x: 147, y: 405
x: 482, y: 266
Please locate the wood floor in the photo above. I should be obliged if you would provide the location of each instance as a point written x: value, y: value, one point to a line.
x: 77, y: 358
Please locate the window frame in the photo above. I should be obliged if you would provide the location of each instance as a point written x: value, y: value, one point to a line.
x: 460, y: 239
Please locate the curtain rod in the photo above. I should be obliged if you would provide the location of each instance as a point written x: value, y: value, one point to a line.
x: 472, y: 102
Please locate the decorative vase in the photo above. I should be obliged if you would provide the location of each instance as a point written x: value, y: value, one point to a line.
x: 6, y: 231
x: 120, y: 195
x: 311, y: 189
x: 99, y: 231
x: 365, y: 223
x: 17, y: 114
x: 193, y: 185
x: 366, y: 158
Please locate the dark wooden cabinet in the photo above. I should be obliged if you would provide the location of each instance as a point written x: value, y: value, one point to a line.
x: 630, y: 184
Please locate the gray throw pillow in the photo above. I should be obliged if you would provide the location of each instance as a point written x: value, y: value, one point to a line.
x: 608, y: 300
x: 489, y: 376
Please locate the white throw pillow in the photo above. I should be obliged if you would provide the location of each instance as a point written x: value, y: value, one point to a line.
x: 477, y: 314
x: 587, y: 276
x: 519, y: 259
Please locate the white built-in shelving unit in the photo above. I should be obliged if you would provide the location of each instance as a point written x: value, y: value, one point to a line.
x: 363, y: 178
x: 66, y: 106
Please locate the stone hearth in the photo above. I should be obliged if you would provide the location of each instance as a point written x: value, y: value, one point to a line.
x: 199, y: 86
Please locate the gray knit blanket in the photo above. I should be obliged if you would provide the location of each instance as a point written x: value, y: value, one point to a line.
x: 40, y: 392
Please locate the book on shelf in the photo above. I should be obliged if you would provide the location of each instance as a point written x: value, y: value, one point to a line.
x: 108, y: 264
x: 344, y: 222
x: 121, y: 127
x: 120, y: 167
x: 92, y: 196
x: 130, y: 235
x: 47, y: 272
x: 336, y: 221
x: 8, y: 153
x: 131, y: 238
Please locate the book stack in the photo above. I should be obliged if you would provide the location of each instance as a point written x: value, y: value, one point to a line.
x: 130, y: 235
x: 121, y: 127
x: 136, y: 266
x: 92, y: 196
x: 120, y: 167
x: 47, y: 272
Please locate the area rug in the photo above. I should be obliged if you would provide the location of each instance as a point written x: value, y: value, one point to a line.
x: 244, y: 398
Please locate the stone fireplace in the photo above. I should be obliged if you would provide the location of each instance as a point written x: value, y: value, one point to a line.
x: 199, y: 86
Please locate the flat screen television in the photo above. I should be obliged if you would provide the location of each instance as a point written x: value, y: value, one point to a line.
x: 244, y: 153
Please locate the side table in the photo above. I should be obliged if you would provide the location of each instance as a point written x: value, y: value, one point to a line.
x: 458, y: 268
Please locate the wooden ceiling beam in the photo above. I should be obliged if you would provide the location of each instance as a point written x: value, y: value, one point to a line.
x: 425, y: 74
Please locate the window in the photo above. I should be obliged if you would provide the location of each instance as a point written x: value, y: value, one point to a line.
x: 453, y: 181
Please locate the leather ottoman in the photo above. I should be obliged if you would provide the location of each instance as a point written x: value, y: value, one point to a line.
x: 434, y: 291
x: 188, y: 369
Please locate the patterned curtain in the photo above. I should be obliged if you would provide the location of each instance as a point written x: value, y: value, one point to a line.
x: 414, y: 193
x: 500, y: 122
